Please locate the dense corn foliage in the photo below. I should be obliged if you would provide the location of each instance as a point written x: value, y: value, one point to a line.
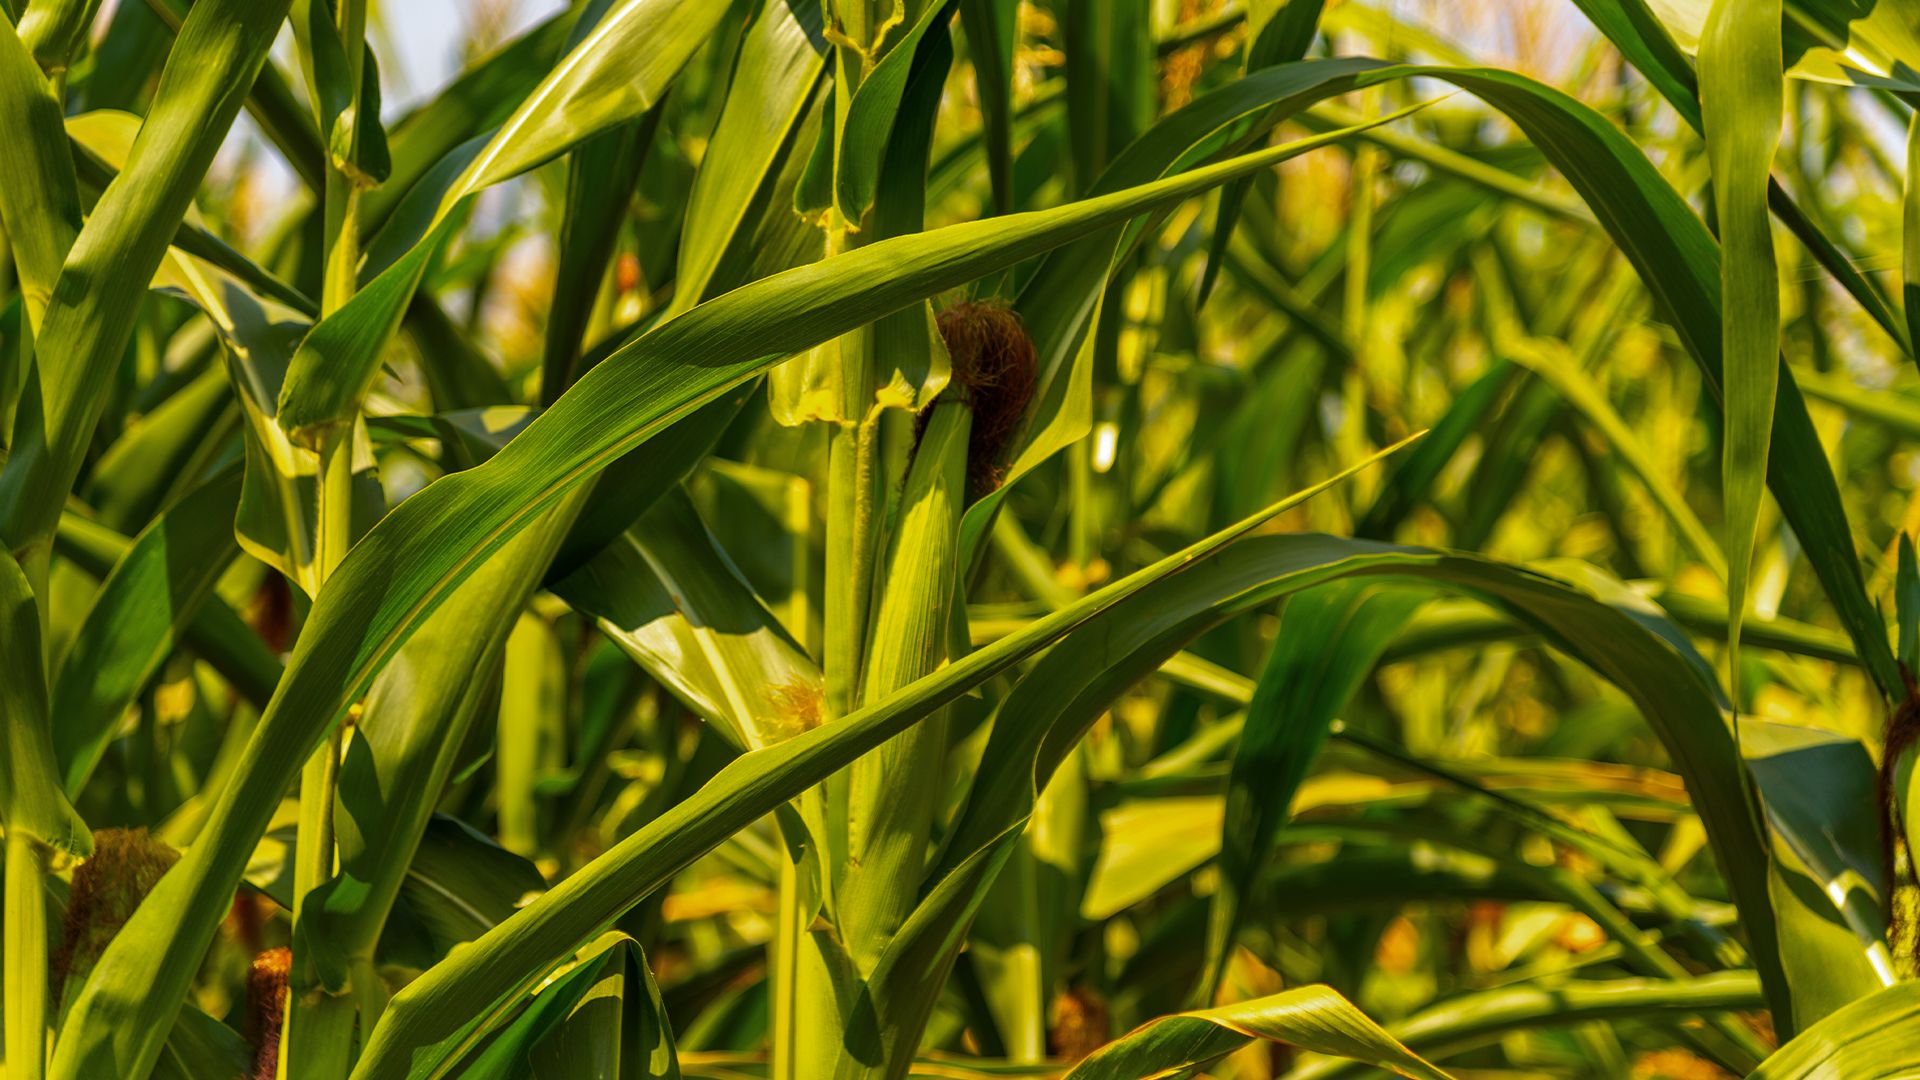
x: 960, y: 538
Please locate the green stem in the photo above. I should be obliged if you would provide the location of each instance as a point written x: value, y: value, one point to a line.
x: 324, y: 1034
x: 851, y: 495
x: 785, y: 967
x: 318, y: 1042
x: 314, y: 846
x: 26, y: 958
x: 334, y: 524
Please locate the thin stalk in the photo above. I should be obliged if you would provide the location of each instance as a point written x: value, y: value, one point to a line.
x: 342, y: 236
x: 321, y: 1023
x: 853, y: 496
x: 783, y: 973
x: 850, y: 499
x: 326, y: 1035
x: 369, y: 993
x: 334, y: 516
x: 318, y: 1042
x: 343, y: 241
x: 26, y: 957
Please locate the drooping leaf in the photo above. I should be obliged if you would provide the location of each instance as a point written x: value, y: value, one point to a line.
x: 1741, y: 103
x: 1312, y: 1018
x: 619, y: 1031
x: 434, y: 1019
x: 1470, y: 1019
x: 1328, y: 642
x: 1871, y: 1039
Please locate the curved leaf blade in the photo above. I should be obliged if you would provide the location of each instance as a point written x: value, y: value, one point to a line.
x: 1742, y: 93
x: 1312, y: 1018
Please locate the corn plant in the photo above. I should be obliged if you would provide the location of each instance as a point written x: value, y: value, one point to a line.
x: 959, y: 538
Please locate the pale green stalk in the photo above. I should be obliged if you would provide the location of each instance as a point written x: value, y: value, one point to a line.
x: 896, y: 790
x: 318, y: 1041
x: 853, y: 493
x: 26, y: 952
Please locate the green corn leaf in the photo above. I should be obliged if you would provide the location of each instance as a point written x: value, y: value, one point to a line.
x: 1827, y: 843
x: 460, y: 884
x: 528, y: 736
x: 1109, y: 71
x: 1871, y: 1039
x: 39, y: 196
x: 1666, y: 242
x: 1013, y: 815
x: 1280, y: 32
x: 992, y: 30
x: 477, y: 101
x: 31, y: 799
x: 632, y: 484
x: 410, y: 734
x: 433, y: 1020
x: 52, y: 29
x: 438, y: 535
x: 895, y: 793
x: 1328, y: 642
x: 102, y: 139
x: 1312, y: 1018
x: 505, y: 1058
x: 890, y: 366
x: 591, y: 90
x: 202, y: 1048
x: 600, y: 178
x: 278, y: 521
x: 619, y: 1031
x: 1053, y: 706
x: 868, y: 125
x: 347, y: 103
x: 130, y: 50
x: 164, y: 453
x: 89, y: 320
x: 283, y: 117
x: 1741, y: 99
x: 781, y: 61
x: 141, y: 610
x: 216, y: 632
x: 1638, y: 32
x: 1471, y: 1019
x: 670, y: 598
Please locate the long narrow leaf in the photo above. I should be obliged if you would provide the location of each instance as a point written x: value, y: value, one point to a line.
x: 1741, y: 94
